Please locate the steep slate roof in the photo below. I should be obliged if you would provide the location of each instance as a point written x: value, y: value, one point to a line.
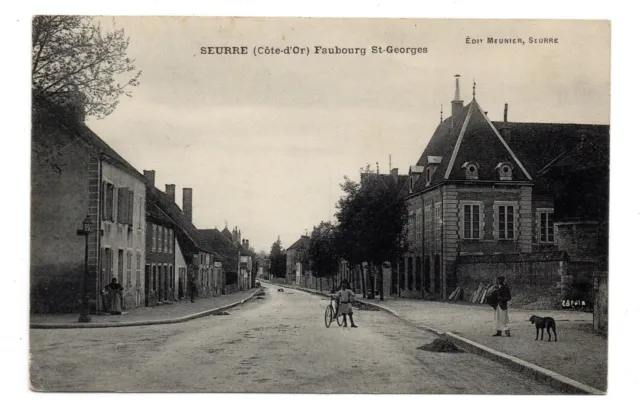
x: 43, y: 109
x: 587, y: 153
x: 217, y: 240
x: 187, y: 233
x: 155, y: 214
x: 227, y: 234
x: 387, y: 180
x: 302, y: 243
x: 529, y: 147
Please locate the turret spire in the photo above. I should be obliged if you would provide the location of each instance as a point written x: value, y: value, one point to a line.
x: 474, y: 88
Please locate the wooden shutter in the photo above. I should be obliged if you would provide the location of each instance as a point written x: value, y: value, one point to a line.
x: 130, y: 207
x: 103, y: 196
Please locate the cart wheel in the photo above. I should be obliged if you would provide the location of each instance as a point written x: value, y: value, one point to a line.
x: 328, y: 315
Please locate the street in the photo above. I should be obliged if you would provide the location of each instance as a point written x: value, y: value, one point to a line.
x: 275, y: 344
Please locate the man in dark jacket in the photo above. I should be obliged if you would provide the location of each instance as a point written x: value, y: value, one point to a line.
x: 193, y: 287
x: 501, y: 314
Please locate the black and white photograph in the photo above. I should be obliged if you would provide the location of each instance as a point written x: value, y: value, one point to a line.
x: 319, y: 205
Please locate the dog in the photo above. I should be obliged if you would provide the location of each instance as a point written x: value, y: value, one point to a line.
x: 543, y: 323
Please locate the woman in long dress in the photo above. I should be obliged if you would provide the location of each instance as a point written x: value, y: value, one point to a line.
x: 114, y: 293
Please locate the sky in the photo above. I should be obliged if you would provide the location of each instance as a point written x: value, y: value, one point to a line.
x: 265, y: 141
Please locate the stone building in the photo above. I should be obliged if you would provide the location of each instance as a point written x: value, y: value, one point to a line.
x: 196, y: 259
x: 478, y: 208
x: 295, y: 270
x: 160, y: 269
x: 75, y: 174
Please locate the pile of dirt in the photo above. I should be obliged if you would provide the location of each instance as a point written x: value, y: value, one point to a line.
x: 365, y: 307
x: 260, y: 294
x: 440, y: 345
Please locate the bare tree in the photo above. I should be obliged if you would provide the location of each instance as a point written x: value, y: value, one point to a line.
x: 73, y: 55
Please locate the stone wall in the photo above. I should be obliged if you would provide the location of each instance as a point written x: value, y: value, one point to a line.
x: 60, y: 201
x: 601, y: 304
x: 535, y: 275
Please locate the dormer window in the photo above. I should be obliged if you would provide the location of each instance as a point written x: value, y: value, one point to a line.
x: 471, y: 170
x: 505, y: 171
x: 427, y: 176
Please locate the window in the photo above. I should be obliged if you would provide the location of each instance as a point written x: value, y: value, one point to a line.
x: 140, y: 216
x: 138, y: 262
x: 428, y: 176
x: 437, y: 214
x: 171, y: 241
x: 471, y: 170
x: 107, y: 204
x: 471, y: 221
x: 428, y: 221
x: 412, y: 226
x: 505, y: 171
x: 125, y: 206
x: 506, y: 229
x: 129, y: 261
x: 419, y: 225
x: 545, y: 226
x: 166, y: 240
x: 154, y: 238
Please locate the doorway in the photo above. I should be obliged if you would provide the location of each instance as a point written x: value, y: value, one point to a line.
x: 147, y: 277
x: 436, y: 274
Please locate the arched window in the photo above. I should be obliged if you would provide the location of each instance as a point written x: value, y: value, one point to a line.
x: 505, y: 171
x: 418, y: 273
x: 471, y: 170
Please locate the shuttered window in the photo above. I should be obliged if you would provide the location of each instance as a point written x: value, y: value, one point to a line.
x: 107, y: 204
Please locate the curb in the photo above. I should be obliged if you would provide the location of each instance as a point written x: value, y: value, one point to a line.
x: 540, y: 374
x: 186, y: 318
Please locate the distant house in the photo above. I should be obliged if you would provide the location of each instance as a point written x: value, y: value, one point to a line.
x: 227, y: 250
x: 194, y: 258
x: 75, y: 174
x: 295, y: 270
x: 160, y: 265
x: 238, y: 260
x: 478, y: 207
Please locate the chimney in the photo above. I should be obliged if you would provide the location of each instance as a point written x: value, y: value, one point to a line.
x: 171, y: 191
x: 151, y: 176
x: 505, y: 129
x: 187, y: 203
x: 456, y: 103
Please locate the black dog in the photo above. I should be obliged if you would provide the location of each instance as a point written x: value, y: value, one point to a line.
x: 543, y: 323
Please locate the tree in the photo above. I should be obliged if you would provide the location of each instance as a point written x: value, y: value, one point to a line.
x: 73, y: 55
x: 372, y: 220
x: 323, y: 252
x: 277, y: 260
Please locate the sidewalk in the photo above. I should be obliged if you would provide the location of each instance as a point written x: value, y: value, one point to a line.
x: 579, y: 354
x: 145, y: 315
